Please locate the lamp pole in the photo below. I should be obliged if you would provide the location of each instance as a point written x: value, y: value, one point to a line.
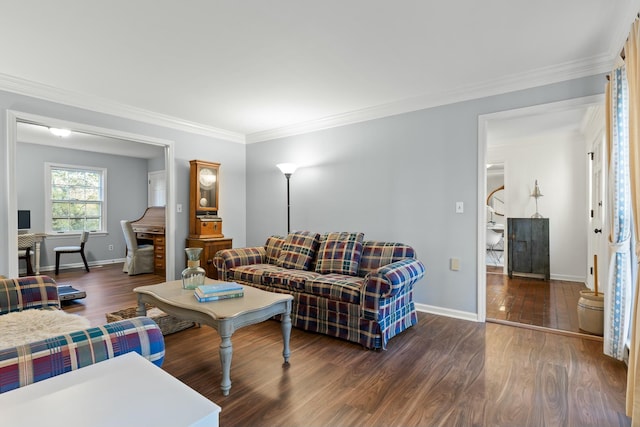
x: 288, y: 175
x: 288, y: 169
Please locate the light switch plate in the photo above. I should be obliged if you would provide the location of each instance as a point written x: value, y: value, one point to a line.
x: 459, y: 207
x: 454, y: 264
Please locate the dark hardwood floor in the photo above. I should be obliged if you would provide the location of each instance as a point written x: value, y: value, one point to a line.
x: 442, y: 372
x: 551, y: 304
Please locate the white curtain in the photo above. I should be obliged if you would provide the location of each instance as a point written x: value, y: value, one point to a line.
x: 618, y: 294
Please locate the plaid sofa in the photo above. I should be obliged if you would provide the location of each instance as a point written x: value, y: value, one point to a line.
x: 343, y: 286
x: 39, y: 360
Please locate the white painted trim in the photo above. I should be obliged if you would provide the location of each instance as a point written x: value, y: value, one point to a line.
x: 12, y: 117
x: 447, y: 312
x: 527, y: 80
x: 100, y: 105
x: 481, y: 298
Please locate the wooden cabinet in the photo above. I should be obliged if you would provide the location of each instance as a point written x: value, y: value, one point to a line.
x: 209, y: 249
x: 528, y: 242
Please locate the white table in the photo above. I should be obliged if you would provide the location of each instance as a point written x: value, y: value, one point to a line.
x: 127, y: 390
x: 225, y: 316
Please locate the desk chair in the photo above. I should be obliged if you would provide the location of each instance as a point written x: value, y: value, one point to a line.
x: 494, y: 238
x: 73, y: 250
x: 25, y: 243
x: 140, y: 258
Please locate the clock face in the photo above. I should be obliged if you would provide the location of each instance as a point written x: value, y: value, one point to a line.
x: 207, y: 178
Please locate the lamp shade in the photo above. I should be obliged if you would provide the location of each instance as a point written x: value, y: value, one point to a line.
x: 287, y: 168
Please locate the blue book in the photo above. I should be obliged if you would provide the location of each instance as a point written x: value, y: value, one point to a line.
x: 216, y: 297
x: 219, y: 287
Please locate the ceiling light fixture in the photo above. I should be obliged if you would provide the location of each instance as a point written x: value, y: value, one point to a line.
x: 62, y: 133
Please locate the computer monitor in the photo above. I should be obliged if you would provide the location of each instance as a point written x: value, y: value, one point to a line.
x: 24, y: 220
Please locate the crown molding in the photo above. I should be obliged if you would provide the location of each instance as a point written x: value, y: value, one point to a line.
x: 49, y: 93
x: 527, y: 80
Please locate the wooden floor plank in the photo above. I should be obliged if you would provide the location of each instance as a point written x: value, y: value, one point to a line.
x: 441, y: 372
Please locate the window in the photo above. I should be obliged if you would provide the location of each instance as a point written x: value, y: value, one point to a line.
x: 75, y: 198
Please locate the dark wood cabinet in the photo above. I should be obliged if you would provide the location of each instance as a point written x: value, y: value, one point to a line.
x: 528, y: 252
x: 209, y: 249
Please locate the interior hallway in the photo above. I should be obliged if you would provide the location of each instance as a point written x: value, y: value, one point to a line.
x: 533, y: 302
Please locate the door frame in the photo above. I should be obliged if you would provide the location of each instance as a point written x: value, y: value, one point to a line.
x: 483, y: 128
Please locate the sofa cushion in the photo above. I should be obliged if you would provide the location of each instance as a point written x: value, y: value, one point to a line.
x: 273, y: 248
x: 298, y: 250
x: 251, y: 273
x: 339, y: 253
x: 288, y: 279
x: 377, y: 254
x: 337, y: 287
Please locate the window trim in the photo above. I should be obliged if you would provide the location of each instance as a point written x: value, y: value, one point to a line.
x: 48, y: 166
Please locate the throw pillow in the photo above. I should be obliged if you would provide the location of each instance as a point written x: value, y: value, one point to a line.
x: 298, y: 250
x: 273, y: 248
x: 340, y: 253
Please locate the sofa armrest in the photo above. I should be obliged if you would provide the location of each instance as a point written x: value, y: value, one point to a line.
x: 39, y: 360
x: 391, y: 279
x: 227, y: 259
x: 28, y: 292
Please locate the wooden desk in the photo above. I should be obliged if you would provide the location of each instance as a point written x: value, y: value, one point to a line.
x: 127, y: 390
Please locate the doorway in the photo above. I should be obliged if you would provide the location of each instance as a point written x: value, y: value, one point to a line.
x: 520, y: 126
x: 124, y: 138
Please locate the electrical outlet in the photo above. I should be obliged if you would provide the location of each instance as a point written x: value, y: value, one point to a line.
x: 110, y: 247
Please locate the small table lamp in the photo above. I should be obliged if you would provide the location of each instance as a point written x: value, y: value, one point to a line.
x: 536, y: 194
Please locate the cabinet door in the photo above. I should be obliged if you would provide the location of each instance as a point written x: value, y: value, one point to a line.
x: 519, y: 245
x: 540, y: 246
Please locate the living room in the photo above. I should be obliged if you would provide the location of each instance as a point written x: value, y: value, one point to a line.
x: 394, y: 177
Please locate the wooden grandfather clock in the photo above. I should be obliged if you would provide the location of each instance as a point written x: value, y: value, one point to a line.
x: 204, y: 221
x: 205, y: 226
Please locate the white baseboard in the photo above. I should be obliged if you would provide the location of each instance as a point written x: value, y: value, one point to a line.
x: 81, y: 265
x: 448, y: 312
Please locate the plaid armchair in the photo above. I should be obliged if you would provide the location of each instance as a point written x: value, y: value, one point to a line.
x: 39, y: 360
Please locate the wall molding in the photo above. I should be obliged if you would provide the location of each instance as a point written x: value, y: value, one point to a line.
x: 526, y: 80
x: 100, y: 105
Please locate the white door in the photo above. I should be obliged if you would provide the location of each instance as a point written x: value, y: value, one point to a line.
x: 598, y: 226
x: 157, y: 189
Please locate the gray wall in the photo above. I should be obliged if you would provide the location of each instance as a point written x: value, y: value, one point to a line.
x: 395, y: 179
x: 188, y: 146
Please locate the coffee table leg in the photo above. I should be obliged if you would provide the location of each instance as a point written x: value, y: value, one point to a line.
x: 286, y: 332
x: 142, y: 309
x: 226, y: 350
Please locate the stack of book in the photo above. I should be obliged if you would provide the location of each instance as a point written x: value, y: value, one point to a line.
x: 218, y: 291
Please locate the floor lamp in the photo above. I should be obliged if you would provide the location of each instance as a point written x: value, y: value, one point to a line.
x: 288, y: 169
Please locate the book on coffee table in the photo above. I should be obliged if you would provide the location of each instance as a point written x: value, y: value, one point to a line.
x: 218, y: 296
x: 216, y: 288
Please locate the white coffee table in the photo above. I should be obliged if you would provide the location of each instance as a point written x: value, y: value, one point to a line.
x: 127, y: 390
x: 224, y: 316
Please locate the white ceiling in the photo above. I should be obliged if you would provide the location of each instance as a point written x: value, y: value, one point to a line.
x: 254, y: 69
